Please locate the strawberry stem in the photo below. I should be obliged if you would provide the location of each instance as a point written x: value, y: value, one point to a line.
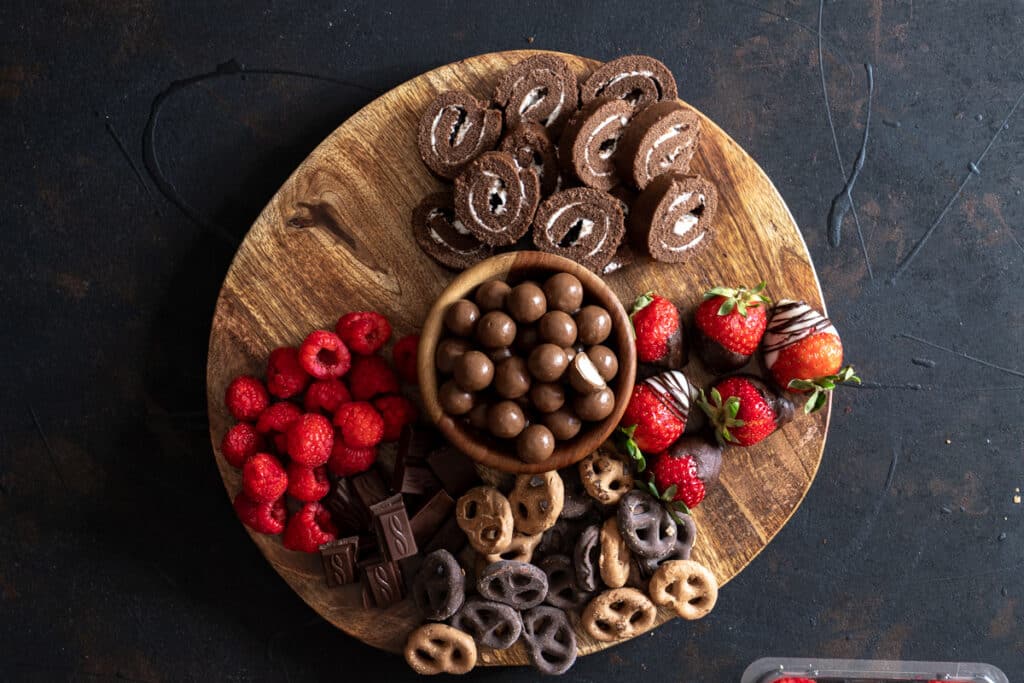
x: 722, y: 415
x: 739, y: 299
x: 625, y: 444
x: 820, y: 387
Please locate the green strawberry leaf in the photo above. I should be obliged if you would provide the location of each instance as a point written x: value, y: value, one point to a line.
x: 727, y: 306
x: 641, y: 302
x: 669, y: 493
x: 716, y: 397
x: 732, y: 407
x: 625, y: 443
x: 681, y: 507
x: 652, y: 489
x: 815, y: 402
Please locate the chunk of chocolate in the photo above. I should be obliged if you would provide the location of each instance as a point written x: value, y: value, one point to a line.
x: 456, y: 471
x: 384, y: 579
x: 369, y: 487
x: 412, y: 476
x: 347, y: 510
x: 391, y: 524
x: 449, y: 536
x: 429, y: 519
x: 339, y: 560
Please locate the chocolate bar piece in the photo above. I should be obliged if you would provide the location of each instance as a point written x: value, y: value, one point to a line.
x: 339, y: 560
x: 370, y: 487
x: 384, y: 579
x: 367, y: 597
x: 449, y: 537
x: 412, y: 475
x: 455, y: 470
x: 391, y: 524
x: 347, y: 511
x: 428, y: 519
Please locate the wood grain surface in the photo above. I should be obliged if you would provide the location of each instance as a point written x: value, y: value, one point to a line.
x: 336, y: 237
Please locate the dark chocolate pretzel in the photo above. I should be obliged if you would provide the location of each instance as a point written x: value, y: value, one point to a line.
x: 531, y: 147
x: 687, y: 535
x: 440, y: 586
x: 581, y: 224
x: 550, y: 639
x: 586, y: 558
x: 443, y: 236
x: 661, y: 138
x: 563, y: 590
x: 519, y: 584
x: 492, y: 624
x: 540, y: 89
x: 637, y: 79
x: 588, y: 145
x: 455, y: 129
x: 673, y: 216
x: 645, y: 525
x: 495, y: 199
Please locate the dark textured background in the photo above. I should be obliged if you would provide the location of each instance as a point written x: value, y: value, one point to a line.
x: 120, y: 557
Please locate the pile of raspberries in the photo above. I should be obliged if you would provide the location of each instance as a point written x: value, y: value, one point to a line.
x: 305, y: 421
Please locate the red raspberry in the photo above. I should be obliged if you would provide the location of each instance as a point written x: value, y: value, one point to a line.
x: 326, y: 395
x: 324, y: 355
x: 308, y: 484
x: 278, y: 418
x: 370, y: 376
x: 246, y: 398
x: 361, y: 426
x: 281, y: 444
x: 364, y: 332
x: 239, y: 443
x: 403, y: 355
x: 397, y: 412
x: 310, y: 440
x: 309, y: 528
x: 285, y: 376
x: 346, y: 461
x: 263, y: 478
x: 265, y: 517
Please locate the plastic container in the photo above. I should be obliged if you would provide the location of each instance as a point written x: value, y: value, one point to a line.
x: 772, y: 669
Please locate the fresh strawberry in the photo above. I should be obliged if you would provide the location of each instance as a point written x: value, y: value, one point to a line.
x: 804, y: 353
x: 683, y: 472
x: 743, y: 410
x: 659, y: 334
x: 730, y: 324
x: 657, y: 412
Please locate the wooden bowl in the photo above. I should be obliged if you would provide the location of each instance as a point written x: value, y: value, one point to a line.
x: 500, y: 453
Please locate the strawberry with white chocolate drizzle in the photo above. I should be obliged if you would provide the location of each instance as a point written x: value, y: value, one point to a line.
x: 804, y: 353
x: 657, y: 413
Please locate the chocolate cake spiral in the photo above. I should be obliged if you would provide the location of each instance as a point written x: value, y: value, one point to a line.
x: 661, y: 138
x: 581, y: 224
x: 673, y: 216
x: 639, y: 80
x: 443, y: 236
x: 540, y: 89
x: 588, y: 145
x: 455, y: 129
x: 531, y: 147
x: 495, y: 199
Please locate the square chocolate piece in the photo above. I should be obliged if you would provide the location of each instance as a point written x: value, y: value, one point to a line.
x: 385, y: 581
x: 428, y: 519
x: 455, y: 470
x: 449, y: 536
x: 412, y: 476
x: 347, y: 511
x: 391, y: 524
x: 339, y: 560
x: 369, y: 487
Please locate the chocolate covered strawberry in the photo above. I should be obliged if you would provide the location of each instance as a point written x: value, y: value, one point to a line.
x: 804, y: 353
x: 730, y: 324
x: 659, y: 333
x: 657, y: 412
x: 743, y: 410
x: 684, y: 472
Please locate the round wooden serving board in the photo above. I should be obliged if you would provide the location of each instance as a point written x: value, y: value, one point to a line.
x: 336, y: 238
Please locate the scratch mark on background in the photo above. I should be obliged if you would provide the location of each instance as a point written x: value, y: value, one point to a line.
x: 839, y: 207
x: 128, y: 157
x: 967, y: 356
x: 973, y: 169
x: 49, y: 451
x: 149, y: 153
x: 892, y: 464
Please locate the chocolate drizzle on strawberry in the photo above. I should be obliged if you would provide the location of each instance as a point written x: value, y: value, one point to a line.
x: 790, y: 322
x: 674, y: 391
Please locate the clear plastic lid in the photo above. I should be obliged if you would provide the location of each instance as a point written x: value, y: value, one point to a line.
x: 793, y: 670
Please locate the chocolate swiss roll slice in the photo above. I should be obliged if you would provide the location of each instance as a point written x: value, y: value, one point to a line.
x: 443, y: 236
x: 531, y: 147
x: 639, y: 80
x: 495, y: 199
x: 455, y: 129
x: 541, y: 89
x: 673, y: 216
x: 581, y: 224
x: 589, y: 142
x: 661, y: 138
